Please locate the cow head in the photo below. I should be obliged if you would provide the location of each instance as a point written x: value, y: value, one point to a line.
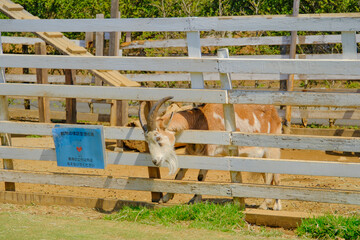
x: 160, y: 140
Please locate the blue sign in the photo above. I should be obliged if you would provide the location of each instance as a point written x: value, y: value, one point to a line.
x: 82, y: 146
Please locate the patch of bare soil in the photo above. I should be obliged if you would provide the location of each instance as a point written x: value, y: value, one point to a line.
x: 217, y: 176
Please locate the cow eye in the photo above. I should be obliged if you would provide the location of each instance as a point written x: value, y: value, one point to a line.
x: 158, y: 139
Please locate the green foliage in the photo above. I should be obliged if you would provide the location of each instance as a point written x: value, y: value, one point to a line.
x: 352, y: 84
x: 72, y: 9
x: 50, y: 9
x: 329, y: 6
x: 11, y: 101
x: 331, y: 227
x: 33, y: 136
x: 209, y: 216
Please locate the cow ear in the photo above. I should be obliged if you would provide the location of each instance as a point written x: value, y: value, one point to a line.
x: 168, y: 121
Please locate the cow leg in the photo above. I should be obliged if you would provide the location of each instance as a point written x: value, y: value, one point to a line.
x: 276, y: 181
x: 180, y: 175
x: 271, y: 178
x: 201, y: 177
x: 268, y: 178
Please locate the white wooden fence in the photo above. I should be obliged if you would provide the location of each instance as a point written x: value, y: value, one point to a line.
x: 346, y: 114
x: 196, y: 66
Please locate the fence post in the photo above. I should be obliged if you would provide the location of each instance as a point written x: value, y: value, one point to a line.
x: 290, y: 81
x: 89, y: 39
x: 349, y: 51
x: 70, y: 102
x: 25, y: 50
x: 42, y: 78
x: 99, y: 48
x: 194, y: 50
x: 230, y: 124
x: 5, y: 139
x: 119, y: 108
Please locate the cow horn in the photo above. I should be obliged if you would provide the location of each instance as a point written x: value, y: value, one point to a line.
x: 141, y: 116
x: 154, y: 113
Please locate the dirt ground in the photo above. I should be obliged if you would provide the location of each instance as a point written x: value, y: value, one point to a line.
x: 218, y: 176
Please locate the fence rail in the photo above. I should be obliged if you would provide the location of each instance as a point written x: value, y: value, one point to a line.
x: 184, y: 64
x: 283, y: 166
x: 204, y: 42
x: 349, y: 144
x: 190, y: 187
x: 240, y: 41
x: 185, y: 95
x: 304, y: 22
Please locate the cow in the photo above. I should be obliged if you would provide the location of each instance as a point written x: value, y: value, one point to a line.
x: 160, y: 134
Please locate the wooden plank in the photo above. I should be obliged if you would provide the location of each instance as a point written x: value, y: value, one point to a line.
x: 350, y: 144
x: 349, y: 45
x: 5, y: 139
x: 352, y: 114
x: 119, y: 93
x: 230, y: 124
x: 129, y: 133
x: 89, y: 40
x: 29, y: 17
x: 290, y: 80
x: 294, y: 98
x: 183, y: 77
x: 118, y: 109
x: 114, y: 41
x: 12, y: 6
x: 243, y: 41
x: 25, y: 50
x: 119, y: 114
x: 34, y: 114
x: 298, y: 142
x: 73, y: 49
x: 326, y: 132
x: 60, y: 44
x: 210, y: 137
x: 185, y: 95
x: 217, y: 189
x: 304, y: 22
x: 21, y: 40
x: 194, y: 50
x: 70, y: 102
x: 284, y: 219
x: 120, y: 79
x: 288, y: 66
x: 54, y: 34
x: 236, y: 164
x: 2, y: 70
x: 99, y: 46
x: 181, y: 64
x: 42, y: 78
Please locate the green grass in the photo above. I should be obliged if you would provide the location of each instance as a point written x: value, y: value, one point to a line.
x: 58, y: 223
x: 331, y: 227
x: 208, y: 216
x: 315, y: 125
x: 33, y: 136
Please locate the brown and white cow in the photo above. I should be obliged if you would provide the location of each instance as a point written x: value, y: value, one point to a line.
x: 160, y: 135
